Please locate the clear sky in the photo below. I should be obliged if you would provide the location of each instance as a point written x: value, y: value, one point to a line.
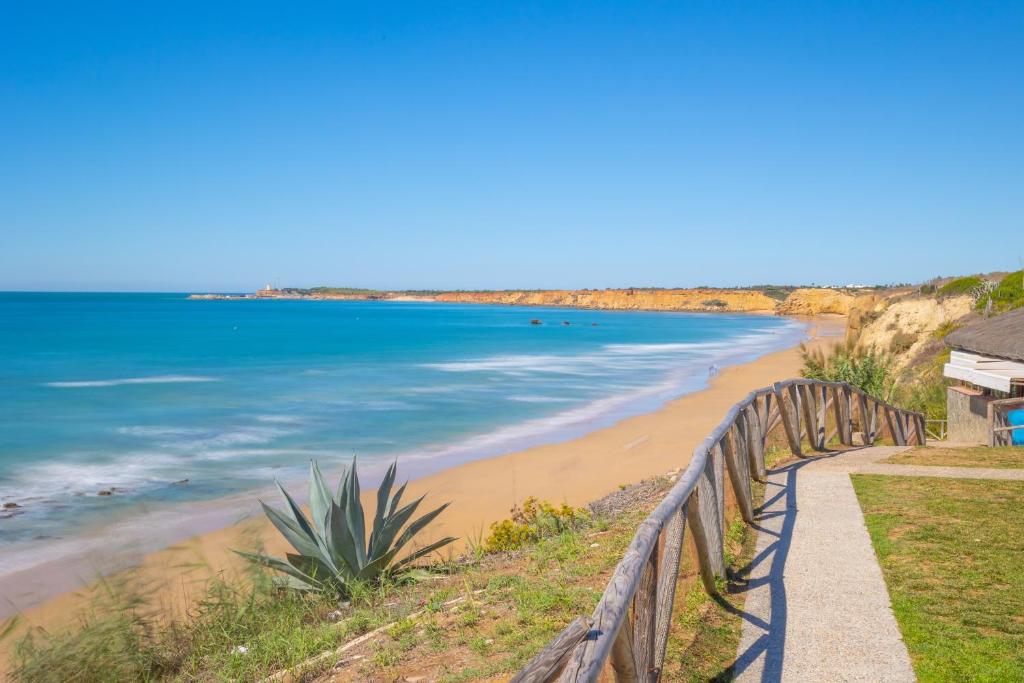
x: 214, y: 146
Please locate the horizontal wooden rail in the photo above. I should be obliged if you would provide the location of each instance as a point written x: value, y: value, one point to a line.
x: 630, y: 626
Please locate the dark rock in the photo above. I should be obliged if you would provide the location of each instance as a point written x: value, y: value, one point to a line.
x: 535, y: 321
x: 105, y: 492
x: 11, y: 506
x: 182, y: 481
x: 566, y: 322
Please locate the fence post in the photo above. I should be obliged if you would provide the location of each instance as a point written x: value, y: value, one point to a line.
x: 790, y: 417
x: 707, y: 534
x: 645, y: 615
x: 670, y: 557
x: 755, y: 442
x: 739, y: 473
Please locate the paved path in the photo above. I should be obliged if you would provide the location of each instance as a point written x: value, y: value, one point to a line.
x: 817, y: 608
x: 865, y: 461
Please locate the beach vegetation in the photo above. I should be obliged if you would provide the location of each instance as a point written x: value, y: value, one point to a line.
x: 1007, y: 295
x: 332, y: 554
x: 961, y: 286
x: 534, y: 520
x: 949, y: 550
x: 480, y: 617
x: 868, y: 369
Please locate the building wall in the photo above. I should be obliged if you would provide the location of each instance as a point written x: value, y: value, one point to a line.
x: 967, y: 415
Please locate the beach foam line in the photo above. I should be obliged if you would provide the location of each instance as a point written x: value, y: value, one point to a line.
x: 156, y: 379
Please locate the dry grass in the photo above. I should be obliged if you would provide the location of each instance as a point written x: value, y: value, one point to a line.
x: 1003, y: 457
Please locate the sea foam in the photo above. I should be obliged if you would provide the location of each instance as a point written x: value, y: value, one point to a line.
x: 156, y: 379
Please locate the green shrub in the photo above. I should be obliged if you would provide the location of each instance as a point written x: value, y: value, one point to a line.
x: 943, y: 330
x: 332, y: 553
x: 714, y: 303
x: 1007, y: 295
x: 535, y: 520
x: 961, y: 285
x: 869, y: 370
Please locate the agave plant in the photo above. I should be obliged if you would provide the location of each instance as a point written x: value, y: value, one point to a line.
x: 331, y: 549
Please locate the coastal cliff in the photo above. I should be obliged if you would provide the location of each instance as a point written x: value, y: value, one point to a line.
x: 747, y: 301
x: 808, y: 301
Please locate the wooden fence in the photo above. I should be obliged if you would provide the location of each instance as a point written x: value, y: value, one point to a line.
x: 629, y: 629
x: 1000, y: 431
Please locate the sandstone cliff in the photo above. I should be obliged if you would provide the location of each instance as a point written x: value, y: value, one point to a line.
x: 903, y: 325
x: 807, y: 301
x: 816, y: 301
x: 747, y: 301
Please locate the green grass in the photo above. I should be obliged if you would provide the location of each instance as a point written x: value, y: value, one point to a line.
x: 234, y: 633
x: 960, y: 286
x: 1007, y: 295
x: 951, y: 552
x: 1002, y: 457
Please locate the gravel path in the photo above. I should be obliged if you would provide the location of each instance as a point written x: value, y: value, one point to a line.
x: 817, y: 608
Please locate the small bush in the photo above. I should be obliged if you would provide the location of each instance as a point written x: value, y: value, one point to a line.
x: 943, y: 330
x: 714, y: 303
x: 928, y: 290
x: 869, y: 370
x: 961, y: 286
x: 536, y: 519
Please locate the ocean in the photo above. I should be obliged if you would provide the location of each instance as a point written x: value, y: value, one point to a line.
x: 115, y: 405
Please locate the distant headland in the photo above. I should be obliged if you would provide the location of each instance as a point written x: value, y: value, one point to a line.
x: 781, y: 300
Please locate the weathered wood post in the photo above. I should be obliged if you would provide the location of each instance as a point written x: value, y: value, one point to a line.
x: 645, y: 616
x: 790, y: 415
x: 543, y: 667
x: 739, y: 473
x: 702, y: 516
x: 755, y: 442
x: 840, y: 406
x: 810, y: 413
x: 675, y: 533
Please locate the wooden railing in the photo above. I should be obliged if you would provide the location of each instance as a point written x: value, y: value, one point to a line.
x: 629, y: 629
x: 1000, y: 431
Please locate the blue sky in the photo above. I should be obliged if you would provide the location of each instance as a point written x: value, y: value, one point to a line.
x: 184, y: 146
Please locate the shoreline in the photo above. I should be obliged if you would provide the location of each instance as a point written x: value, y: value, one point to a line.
x: 573, y: 471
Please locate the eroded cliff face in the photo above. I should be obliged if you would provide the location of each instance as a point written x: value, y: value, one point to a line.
x: 808, y: 301
x: 903, y: 326
x: 817, y: 301
x: 747, y: 301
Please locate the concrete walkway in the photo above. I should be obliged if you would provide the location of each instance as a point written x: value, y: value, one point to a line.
x: 865, y: 461
x: 817, y: 608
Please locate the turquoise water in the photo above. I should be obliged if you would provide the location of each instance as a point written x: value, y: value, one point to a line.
x: 135, y: 393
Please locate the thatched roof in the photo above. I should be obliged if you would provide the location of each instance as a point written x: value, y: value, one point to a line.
x: 1000, y: 337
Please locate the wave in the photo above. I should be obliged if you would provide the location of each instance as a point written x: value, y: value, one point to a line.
x: 621, y: 357
x: 538, y: 399
x: 156, y: 379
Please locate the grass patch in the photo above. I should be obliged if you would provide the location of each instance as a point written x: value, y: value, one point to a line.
x: 950, y: 550
x: 1002, y: 457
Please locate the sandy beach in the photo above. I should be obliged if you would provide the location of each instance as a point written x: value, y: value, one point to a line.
x: 483, y: 491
